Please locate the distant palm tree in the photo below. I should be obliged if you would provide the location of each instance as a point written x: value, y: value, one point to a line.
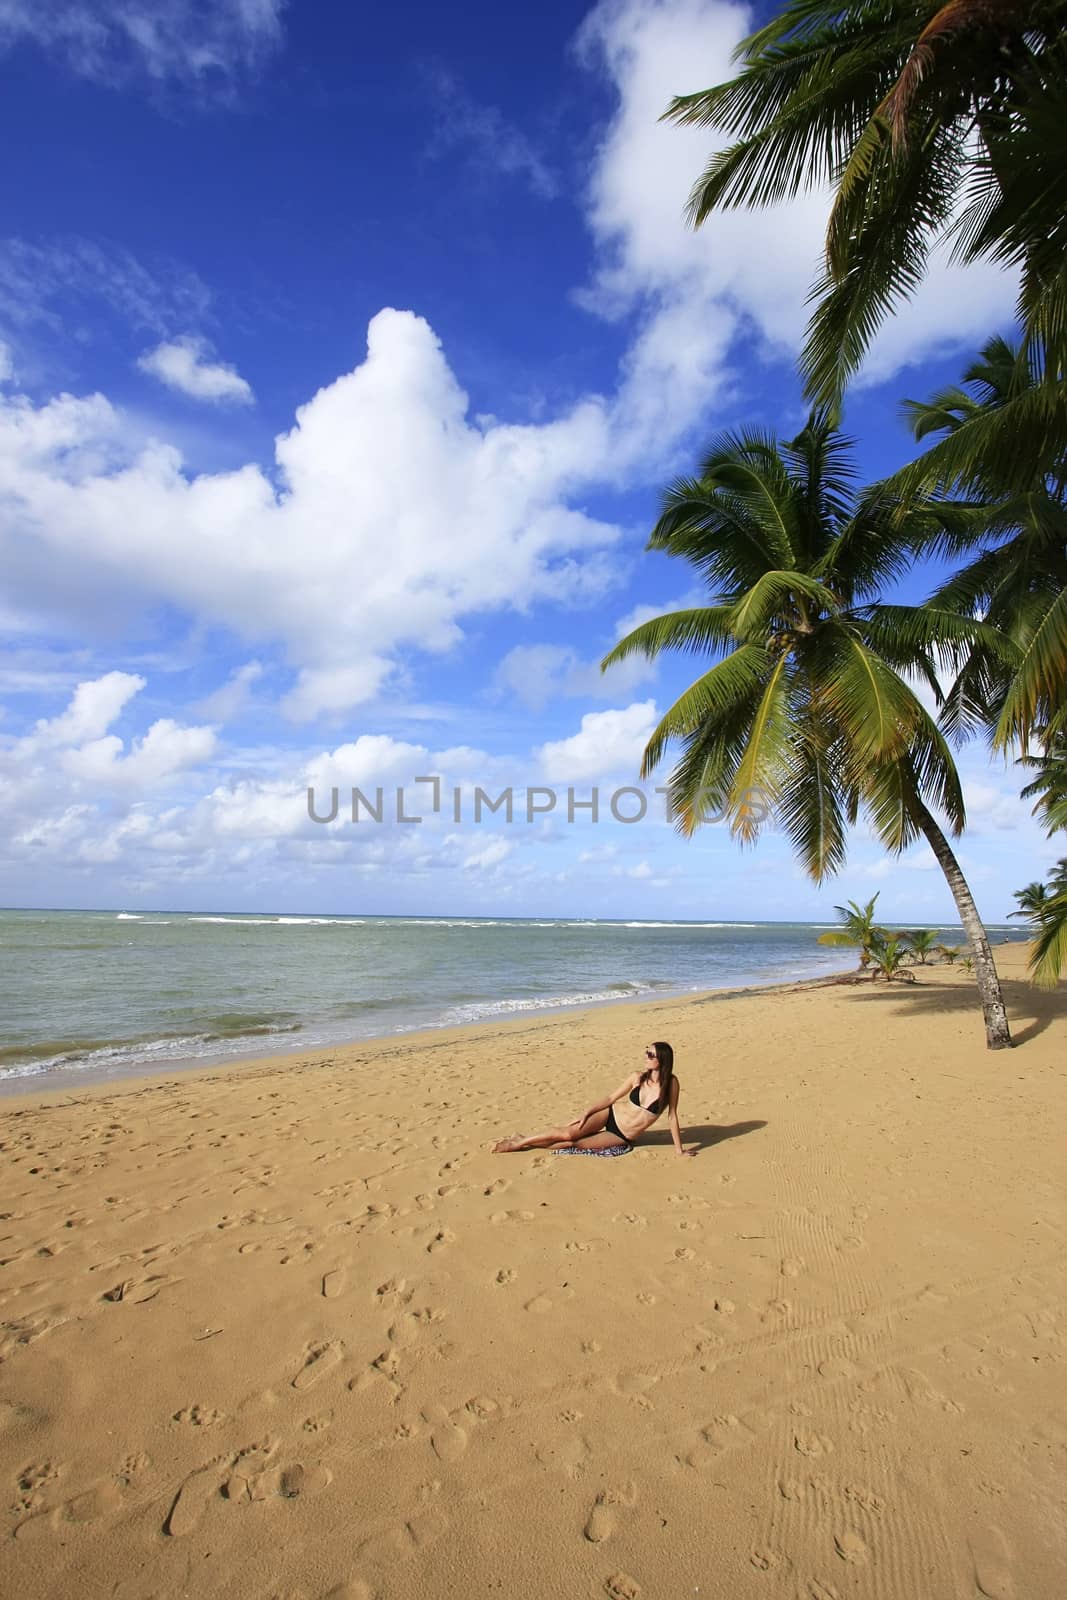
x: 1032, y: 900
x: 808, y: 707
x: 908, y: 108
x: 858, y: 928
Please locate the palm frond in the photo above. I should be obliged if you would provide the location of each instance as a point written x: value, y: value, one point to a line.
x: 733, y: 685
x: 1048, y: 954
x: 877, y: 248
x: 1039, y: 687
x: 701, y: 628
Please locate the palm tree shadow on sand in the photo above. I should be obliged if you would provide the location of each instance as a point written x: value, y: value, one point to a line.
x: 1030, y: 1010
x: 705, y: 1134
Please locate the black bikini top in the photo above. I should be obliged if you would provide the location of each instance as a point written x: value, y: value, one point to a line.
x: 635, y: 1099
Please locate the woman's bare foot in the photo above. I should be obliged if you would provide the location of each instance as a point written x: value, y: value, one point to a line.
x: 506, y: 1146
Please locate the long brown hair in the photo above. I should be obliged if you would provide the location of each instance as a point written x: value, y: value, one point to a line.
x: 665, y: 1058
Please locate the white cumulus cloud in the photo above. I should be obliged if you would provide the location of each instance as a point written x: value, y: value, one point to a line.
x: 392, y: 516
x: 744, y: 270
x: 609, y: 743
x: 186, y: 364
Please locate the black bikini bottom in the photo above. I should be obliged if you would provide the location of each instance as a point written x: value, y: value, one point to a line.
x: 611, y: 1126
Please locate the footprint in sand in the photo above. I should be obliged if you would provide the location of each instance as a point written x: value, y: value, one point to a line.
x: 283, y: 1482
x: 991, y: 1555
x: 334, y: 1283
x: 850, y: 1547
x: 539, y: 1303
x: 620, y: 1586
x: 353, y: 1589
x: 569, y: 1455
x: 920, y: 1388
x: 483, y: 1408
x: 393, y: 1292
x: 189, y: 1503
x: 31, y: 1479
x: 319, y: 1360
x: 407, y: 1539
x: 447, y: 1441
x: 506, y: 1275
x: 199, y: 1416
x: 602, y: 1519
x: 866, y: 1498
x: 136, y: 1292
x: 101, y: 1500
x: 443, y: 1236
x: 812, y: 1445
x: 765, y: 1560
x: 792, y: 1267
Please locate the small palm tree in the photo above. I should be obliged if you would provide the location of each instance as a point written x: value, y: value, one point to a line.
x: 921, y: 944
x: 888, y: 956
x: 858, y: 928
x: 907, y: 109
x: 949, y: 953
x: 807, y: 706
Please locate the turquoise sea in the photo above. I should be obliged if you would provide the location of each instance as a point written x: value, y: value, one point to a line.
x: 106, y: 994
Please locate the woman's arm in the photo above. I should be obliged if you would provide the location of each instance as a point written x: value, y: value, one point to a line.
x: 672, y: 1119
x: 603, y: 1105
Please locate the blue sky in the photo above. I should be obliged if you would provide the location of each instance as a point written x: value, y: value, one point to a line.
x: 344, y: 355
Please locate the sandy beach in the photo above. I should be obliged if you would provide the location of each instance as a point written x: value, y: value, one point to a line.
x: 290, y: 1330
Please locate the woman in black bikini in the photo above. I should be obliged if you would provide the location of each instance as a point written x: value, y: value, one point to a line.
x: 642, y: 1098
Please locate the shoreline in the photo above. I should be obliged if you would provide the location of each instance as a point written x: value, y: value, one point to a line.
x: 184, y: 1066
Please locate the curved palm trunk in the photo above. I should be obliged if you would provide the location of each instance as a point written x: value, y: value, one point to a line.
x: 996, y: 1018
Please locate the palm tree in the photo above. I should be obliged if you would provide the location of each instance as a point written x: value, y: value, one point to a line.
x: 921, y: 943
x: 1018, y: 579
x: 858, y: 928
x: 888, y: 957
x: 908, y: 110
x: 1032, y: 900
x: 807, y: 704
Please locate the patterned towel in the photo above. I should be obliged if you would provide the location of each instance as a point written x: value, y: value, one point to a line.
x: 612, y: 1150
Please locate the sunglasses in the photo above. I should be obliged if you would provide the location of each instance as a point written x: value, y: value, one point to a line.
x: 651, y: 1054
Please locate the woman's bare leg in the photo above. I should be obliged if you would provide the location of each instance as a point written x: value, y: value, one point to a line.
x: 586, y: 1134
x: 536, y: 1141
